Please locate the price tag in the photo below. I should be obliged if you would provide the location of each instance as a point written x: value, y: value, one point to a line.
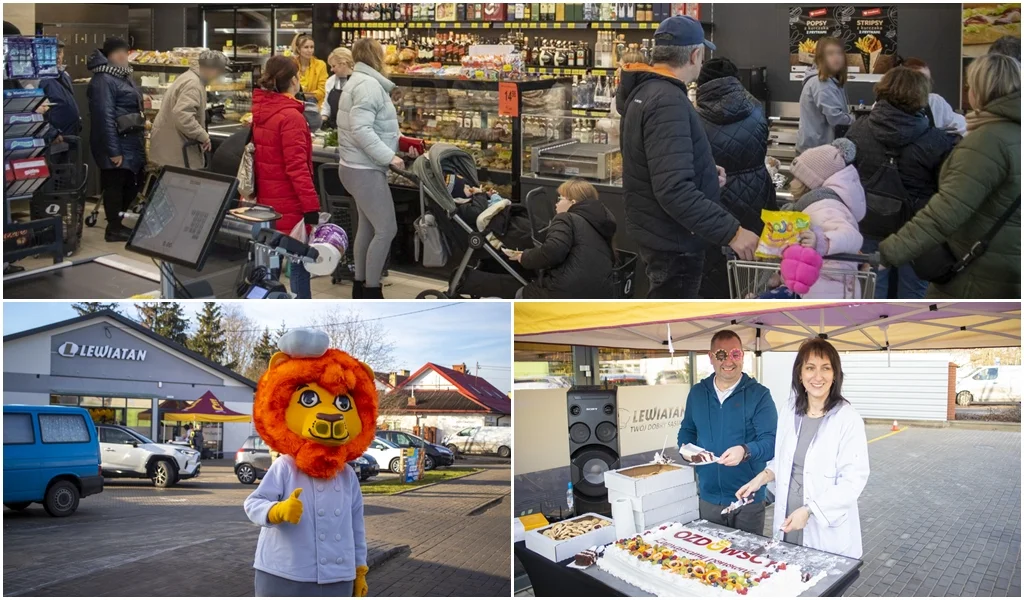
x: 557, y: 25
x: 295, y: 18
x: 337, y: 25
x: 508, y: 99
x: 474, y: 25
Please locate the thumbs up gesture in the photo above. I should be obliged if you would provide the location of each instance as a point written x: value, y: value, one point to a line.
x: 289, y: 510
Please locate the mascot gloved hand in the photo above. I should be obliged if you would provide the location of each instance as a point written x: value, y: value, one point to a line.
x: 317, y: 407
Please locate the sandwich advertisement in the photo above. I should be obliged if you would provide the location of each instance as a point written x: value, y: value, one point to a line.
x: 868, y: 34
x: 986, y: 23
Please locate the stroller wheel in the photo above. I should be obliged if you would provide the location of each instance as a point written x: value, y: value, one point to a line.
x: 91, y: 220
x: 431, y: 295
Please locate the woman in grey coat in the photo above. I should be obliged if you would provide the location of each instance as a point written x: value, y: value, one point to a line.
x: 367, y: 144
x: 823, y: 102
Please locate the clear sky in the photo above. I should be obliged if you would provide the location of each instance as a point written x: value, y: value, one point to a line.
x: 446, y: 333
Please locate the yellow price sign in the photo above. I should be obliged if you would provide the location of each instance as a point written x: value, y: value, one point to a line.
x: 295, y: 18
x: 556, y: 25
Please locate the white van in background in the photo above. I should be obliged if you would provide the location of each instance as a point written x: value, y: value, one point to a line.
x: 480, y: 440
x: 991, y: 383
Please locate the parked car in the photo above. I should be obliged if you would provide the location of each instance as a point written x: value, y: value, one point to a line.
x: 436, y: 455
x: 386, y: 454
x: 51, y: 456
x: 127, y: 453
x: 991, y: 383
x: 252, y: 461
x: 481, y: 440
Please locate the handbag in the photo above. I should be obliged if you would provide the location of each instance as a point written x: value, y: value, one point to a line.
x: 247, y: 169
x: 886, y: 199
x: 131, y: 123
x: 939, y: 265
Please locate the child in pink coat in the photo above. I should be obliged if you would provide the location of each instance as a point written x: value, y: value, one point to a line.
x: 827, y: 188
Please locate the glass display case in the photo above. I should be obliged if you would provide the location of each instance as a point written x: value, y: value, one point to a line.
x: 465, y: 113
x: 227, y: 99
x: 254, y: 33
x: 572, y: 143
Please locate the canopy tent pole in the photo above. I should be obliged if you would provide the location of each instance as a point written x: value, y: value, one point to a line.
x: 757, y: 355
x: 693, y: 368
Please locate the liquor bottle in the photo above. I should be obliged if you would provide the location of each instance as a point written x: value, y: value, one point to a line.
x: 581, y: 55
x: 645, y: 51
x: 560, y: 12
x: 534, y: 55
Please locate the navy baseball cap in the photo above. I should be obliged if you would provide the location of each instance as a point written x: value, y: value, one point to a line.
x: 681, y: 31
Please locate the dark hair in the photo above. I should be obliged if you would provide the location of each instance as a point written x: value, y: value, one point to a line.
x: 716, y: 68
x: 821, y: 348
x: 725, y: 334
x: 113, y: 45
x: 1007, y: 46
x: 913, y: 63
x: 904, y: 88
x: 278, y: 73
x: 11, y: 29
x: 819, y: 60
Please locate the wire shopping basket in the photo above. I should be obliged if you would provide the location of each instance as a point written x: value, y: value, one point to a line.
x: 759, y: 278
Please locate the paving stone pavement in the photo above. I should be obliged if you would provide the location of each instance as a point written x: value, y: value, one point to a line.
x: 194, y: 540
x: 940, y: 515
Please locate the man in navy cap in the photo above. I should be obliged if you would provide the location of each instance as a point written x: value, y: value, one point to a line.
x: 670, y: 181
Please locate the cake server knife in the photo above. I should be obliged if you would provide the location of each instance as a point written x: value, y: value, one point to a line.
x: 776, y: 538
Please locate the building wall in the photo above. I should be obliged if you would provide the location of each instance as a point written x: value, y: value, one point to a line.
x: 28, y: 355
x: 429, y: 380
x: 22, y: 15
x: 34, y: 398
x: 880, y: 385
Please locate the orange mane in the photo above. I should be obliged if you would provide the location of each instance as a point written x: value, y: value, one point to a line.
x: 336, y: 372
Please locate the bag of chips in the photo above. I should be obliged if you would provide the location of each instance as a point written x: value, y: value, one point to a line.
x: 781, y: 229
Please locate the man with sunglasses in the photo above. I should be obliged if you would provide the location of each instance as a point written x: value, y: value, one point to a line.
x: 732, y: 416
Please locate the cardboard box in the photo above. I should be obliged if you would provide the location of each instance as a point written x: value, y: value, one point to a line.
x: 494, y: 11
x: 445, y: 11
x: 29, y: 174
x: 561, y: 550
x: 647, y: 478
x: 666, y: 514
x: 665, y: 497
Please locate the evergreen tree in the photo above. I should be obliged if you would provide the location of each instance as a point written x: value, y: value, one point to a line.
x: 280, y: 331
x: 264, y: 349
x: 208, y: 339
x: 166, y: 319
x: 88, y: 308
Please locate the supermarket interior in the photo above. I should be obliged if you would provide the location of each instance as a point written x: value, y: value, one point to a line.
x: 518, y: 96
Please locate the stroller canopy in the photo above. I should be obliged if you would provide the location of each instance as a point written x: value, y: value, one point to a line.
x: 432, y: 166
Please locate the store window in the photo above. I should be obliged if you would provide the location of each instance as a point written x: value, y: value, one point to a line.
x: 622, y: 366
x: 18, y: 429
x: 542, y: 366
x: 130, y: 412
x: 63, y: 429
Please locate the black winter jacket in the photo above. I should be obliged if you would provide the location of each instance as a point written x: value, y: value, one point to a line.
x: 669, y: 180
x: 738, y: 133
x: 63, y: 113
x: 576, y: 254
x: 110, y: 97
x: 922, y: 148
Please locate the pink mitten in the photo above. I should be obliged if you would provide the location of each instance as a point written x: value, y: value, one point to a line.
x: 801, y: 267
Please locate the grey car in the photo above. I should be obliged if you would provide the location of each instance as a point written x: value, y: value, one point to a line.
x: 252, y: 460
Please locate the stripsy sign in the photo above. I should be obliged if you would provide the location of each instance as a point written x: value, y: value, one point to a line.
x: 71, y: 350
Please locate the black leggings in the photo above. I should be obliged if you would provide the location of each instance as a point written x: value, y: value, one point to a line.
x: 120, y: 186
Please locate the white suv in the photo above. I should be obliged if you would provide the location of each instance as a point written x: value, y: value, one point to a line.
x: 125, y: 453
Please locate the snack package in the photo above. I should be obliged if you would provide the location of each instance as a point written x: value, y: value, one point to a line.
x: 781, y: 228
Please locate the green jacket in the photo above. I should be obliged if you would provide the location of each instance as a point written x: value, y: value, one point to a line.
x: 977, y: 183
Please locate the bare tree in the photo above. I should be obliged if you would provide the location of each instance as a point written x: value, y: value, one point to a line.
x: 368, y: 341
x: 241, y: 336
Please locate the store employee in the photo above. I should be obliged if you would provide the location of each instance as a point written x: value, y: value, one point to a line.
x: 341, y: 63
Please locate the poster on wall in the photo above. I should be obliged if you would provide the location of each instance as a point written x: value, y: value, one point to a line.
x: 982, y: 25
x: 868, y: 34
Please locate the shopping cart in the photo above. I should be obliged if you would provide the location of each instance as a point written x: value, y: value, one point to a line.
x: 63, y: 194
x: 758, y: 278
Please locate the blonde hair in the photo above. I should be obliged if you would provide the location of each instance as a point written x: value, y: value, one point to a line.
x: 342, y: 55
x: 992, y: 77
x: 369, y: 52
x: 298, y: 42
x: 577, y: 190
x: 798, y: 188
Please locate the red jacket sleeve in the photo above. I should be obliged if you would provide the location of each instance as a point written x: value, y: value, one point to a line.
x: 298, y: 161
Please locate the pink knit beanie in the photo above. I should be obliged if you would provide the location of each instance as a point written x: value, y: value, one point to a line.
x: 815, y: 165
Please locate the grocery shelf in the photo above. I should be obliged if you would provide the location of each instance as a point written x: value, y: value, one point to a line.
x: 498, y: 25
x: 570, y: 71
x: 541, y: 25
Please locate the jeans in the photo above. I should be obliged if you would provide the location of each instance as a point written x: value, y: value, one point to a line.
x: 910, y: 285
x: 299, y: 278
x: 749, y: 517
x: 120, y: 186
x: 673, y: 275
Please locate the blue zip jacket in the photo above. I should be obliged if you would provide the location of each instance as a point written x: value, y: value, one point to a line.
x: 63, y: 114
x: 747, y: 416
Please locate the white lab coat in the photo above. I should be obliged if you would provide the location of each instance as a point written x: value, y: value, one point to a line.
x: 835, y: 472
x: 329, y: 541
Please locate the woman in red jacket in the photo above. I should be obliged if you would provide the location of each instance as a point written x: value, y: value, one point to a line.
x: 283, y: 161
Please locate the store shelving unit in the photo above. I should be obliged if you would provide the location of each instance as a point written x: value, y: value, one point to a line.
x: 233, y: 91
x: 254, y: 32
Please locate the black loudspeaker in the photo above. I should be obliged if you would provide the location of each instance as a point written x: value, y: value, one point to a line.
x: 593, y: 445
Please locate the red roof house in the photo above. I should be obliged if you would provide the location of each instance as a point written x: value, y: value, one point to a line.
x: 441, y: 390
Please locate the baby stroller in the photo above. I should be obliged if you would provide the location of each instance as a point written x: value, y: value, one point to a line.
x: 477, y: 243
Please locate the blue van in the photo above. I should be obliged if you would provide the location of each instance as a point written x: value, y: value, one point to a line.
x: 51, y: 456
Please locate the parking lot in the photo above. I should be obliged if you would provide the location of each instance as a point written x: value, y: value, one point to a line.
x: 195, y: 540
x: 940, y: 515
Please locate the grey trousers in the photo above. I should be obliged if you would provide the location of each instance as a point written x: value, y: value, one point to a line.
x: 377, y: 225
x: 268, y: 585
x: 749, y: 518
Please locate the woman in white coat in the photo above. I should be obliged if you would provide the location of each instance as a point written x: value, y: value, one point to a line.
x: 821, y: 458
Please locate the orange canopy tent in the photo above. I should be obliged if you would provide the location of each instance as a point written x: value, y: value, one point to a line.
x: 207, y: 409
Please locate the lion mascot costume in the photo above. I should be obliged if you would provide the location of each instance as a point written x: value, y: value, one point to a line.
x: 317, y: 407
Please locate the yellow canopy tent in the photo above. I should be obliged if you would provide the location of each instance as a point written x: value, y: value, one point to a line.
x: 771, y: 325
x: 207, y: 409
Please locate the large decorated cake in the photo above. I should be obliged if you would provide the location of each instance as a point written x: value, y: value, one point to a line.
x: 673, y: 560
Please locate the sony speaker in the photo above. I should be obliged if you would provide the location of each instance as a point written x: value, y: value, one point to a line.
x: 593, y: 445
